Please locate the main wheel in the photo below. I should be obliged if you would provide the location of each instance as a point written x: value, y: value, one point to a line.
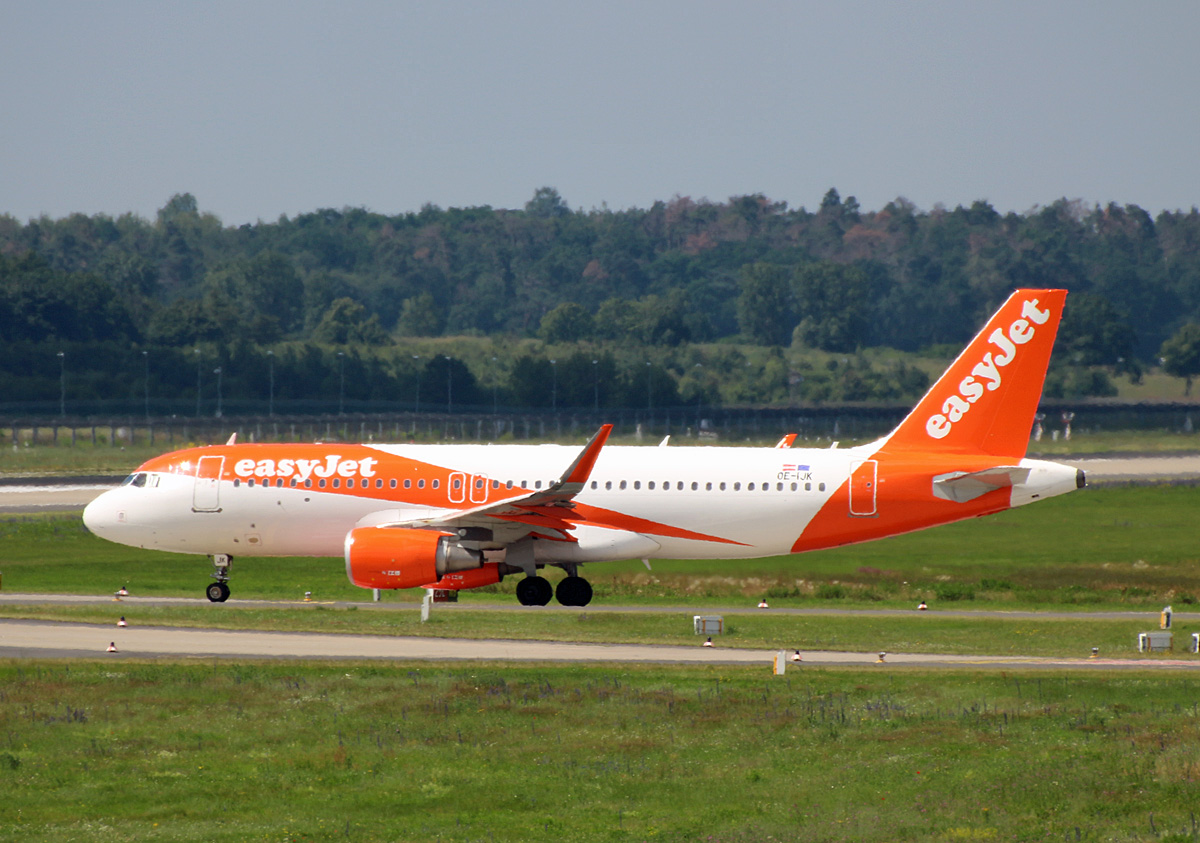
x: 534, y: 591
x: 218, y: 592
x: 574, y: 591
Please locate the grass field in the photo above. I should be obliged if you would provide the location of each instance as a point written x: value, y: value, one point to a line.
x: 371, y: 752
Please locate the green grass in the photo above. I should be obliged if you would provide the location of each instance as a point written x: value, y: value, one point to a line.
x: 1112, y: 547
x: 122, y: 751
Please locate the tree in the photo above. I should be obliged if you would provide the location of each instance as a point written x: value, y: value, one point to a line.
x: 547, y: 204
x: 420, y: 317
x: 1181, y: 354
x: 568, y: 322
x: 1093, y: 333
x: 347, y: 321
x: 833, y: 301
x: 766, y: 309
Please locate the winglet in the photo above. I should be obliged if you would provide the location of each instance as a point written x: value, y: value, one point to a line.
x: 985, y: 402
x: 232, y: 439
x: 580, y: 470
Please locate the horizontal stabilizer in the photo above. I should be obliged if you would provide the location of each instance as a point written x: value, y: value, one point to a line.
x: 961, y: 486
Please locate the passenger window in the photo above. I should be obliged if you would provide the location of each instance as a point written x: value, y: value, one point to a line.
x: 695, y: 485
x: 779, y: 487
x: 537, y: 484
x: 308, y: 484
x: 722, y: 487
x: 379, y: 483
x: 508, y: 485
x: 821, y: 487
x: 437, y: 484
x: 421, y: 483
x: 457, y: 484
x: 679, y: 485
x: 650, y: 485
x: 737, y: 487
x: 608, y: 485
x: 249, y: 483
x: 808, y: 487
x: 637, y: 484
x: 749, y: 487
x: 793, y: 487
x: 321, y: 484
x: 622, y: 484
x: 594, y: 484
x: 708, y: 487
x: 337, y: 484
x: 236, y: 483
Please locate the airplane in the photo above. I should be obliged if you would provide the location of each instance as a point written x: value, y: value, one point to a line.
x: 465, y: 516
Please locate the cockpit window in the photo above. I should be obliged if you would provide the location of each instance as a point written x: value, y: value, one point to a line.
x: 138, y: 479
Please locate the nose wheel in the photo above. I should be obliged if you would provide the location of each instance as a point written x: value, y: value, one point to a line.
x: 218, y: 592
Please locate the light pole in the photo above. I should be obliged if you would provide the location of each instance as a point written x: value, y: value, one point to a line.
x: 62, y: 384
x: 341, y: 383
x: 449, y: 385
x: 217, y: 372
x: 554, y: 390
x: 196, y: 351
x: 146, y: 380
x: 417, y: 393
x: 595, y: 387
x: 271, y: 394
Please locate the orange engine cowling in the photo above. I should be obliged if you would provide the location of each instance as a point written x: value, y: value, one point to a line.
x: 393, y: 557
x: 475, y: 578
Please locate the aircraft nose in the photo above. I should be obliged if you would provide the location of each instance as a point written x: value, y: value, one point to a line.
x: 100, y: 516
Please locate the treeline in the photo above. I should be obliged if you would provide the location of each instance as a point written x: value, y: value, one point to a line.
x: 670, y: 302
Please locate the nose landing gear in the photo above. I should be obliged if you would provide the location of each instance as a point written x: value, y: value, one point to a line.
x: 218, y: 592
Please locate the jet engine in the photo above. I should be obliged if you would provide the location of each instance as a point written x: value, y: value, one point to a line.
x: 396, y: 557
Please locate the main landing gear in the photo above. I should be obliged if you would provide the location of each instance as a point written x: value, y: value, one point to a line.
x: 218, y: 592
x: 572, y: 591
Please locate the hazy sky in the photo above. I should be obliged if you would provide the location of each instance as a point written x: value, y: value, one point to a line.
x: 282, y: 106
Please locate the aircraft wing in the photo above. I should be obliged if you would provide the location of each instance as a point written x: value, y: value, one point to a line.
x: 544, y: 512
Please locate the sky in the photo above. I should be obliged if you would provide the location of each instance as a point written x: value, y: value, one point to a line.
x: 261, y: 108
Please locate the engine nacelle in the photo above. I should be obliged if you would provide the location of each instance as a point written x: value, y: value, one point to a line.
x: 474, y: 578
x: 394, y: 557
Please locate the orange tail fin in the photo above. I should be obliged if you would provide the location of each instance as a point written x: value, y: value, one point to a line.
x: 985, y: 402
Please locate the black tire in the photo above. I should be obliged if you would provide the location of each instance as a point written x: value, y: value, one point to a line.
x: 218, y: 592
x: 534, y: 591
x: 574, y: 591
